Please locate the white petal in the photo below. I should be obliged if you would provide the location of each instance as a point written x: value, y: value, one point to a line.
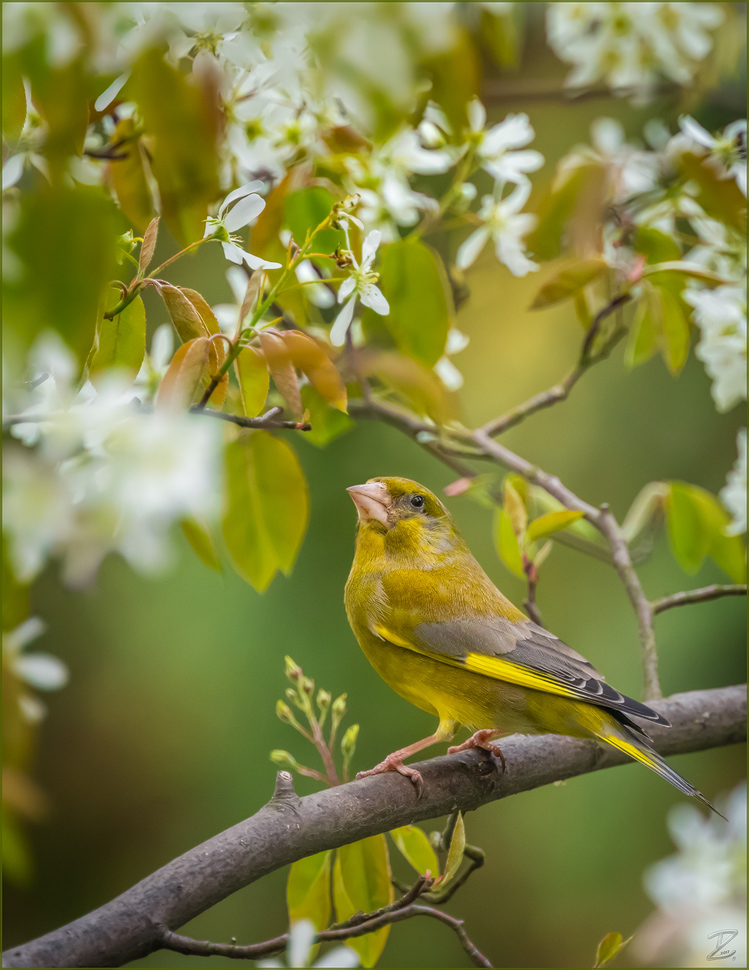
x: 255, y: 262
x: 300, y: 942
x: 346, y: 289
x: 162, y: 345
x: 469, y: 250
x: 369, y: 248
x: 695, y: 131
x: 476, y: 115
x: 13, y: 170
x: 42, y: 670
x: 456, y: 341
x: 449, y: 374
x: 240, y: 193
x: 108, y: 96
x: 607, y: 135
x: 233, y: 253
x: 342, y: 956
x: 244, y: 212
x: 237, y: 280
x: 342, y: 323
x: 372, y: 297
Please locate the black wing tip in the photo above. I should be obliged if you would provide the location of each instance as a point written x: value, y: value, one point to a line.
x: 642, y: 710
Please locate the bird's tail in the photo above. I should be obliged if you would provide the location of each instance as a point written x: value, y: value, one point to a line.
x: 622, y: 737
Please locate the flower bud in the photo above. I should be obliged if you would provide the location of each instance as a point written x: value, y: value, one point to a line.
x: 323, y: 700
x: 308, y: 685
x: 348, y: 744
x: 339, y: 706
x: 290, y: 693
x: 293, y: 671
x: 284, y: 712
x: 283, y: 759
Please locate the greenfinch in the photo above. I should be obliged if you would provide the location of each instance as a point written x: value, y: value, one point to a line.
x: 440, y: 633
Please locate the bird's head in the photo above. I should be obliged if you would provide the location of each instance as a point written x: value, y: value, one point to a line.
x: 384, y: 503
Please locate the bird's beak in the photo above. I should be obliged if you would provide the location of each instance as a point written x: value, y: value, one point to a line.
x: 372, y: 501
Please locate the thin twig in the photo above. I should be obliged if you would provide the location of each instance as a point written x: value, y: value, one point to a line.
x: 560, y: 392
x: 531, y: 574
x: 267, y: 420
x: 701, y: 595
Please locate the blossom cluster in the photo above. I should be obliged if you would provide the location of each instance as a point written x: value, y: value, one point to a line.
x: 103, y: 476
x: 700, y: 892
x: 631, y: 47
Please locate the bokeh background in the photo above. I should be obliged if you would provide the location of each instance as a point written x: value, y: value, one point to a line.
x: 161, y: 738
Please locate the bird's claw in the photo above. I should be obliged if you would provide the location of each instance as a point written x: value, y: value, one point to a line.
x: 395, y: 764
x: 481, y: 739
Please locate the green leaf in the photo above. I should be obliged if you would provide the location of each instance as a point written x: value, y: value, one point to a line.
x: 608, y: 948
x: 559, y: 205
x: 416, y: 849
x: 720, y: 197
x: 500, y: 34
x: 266, y: 506
x: 308, y: 889
x: 506, y: 543
x: 674, y: 274
x: 361, y: 881
x: 182, y: 384
x: 515, y: 508
x: 187, y: 321
x: 183, y: 121
x: 455, y: 76
x: 127, y: 177
x: 14, y: 97
x: 551, y: 522
x: 202, y: 543
x: 655, y: 245
x: 664, y: 314
x: 65, y: 242
x: 327, y: 422
x: 696, y: 529
x: 455, y: 852
x: 122, y: 340
x: 413, y: 283
x: 569, y: 281
x: 641, y: 344
x: 254, y: 381
x: 305, y: 210
x: 61, y: 96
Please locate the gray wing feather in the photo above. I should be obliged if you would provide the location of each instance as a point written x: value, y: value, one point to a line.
x: 529, y: 645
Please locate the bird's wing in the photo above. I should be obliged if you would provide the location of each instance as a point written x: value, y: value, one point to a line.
x: 520, y: 653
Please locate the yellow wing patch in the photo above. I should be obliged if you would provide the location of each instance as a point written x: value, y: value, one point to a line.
x: 479, y: 663
x: 512, y: 673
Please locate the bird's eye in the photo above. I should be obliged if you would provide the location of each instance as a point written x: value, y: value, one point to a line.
x: 417, y: 501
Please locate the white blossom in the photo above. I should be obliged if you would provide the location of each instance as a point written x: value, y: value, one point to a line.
x: 497, y: 149
x: 630, y: 46
x: 733, y: 494
x: 41, y: 671
x: 699, y: 890
x: 721, y: 317
x: 727, y: 150
x: 505, y: 225
x: 445, y: 369
x: 239, y: 208
x: 361, y: 283
x: 299, y: 950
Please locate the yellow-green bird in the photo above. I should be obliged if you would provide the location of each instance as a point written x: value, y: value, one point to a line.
x: 440, y: 633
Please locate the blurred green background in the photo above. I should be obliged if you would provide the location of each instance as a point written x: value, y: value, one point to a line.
x: 162, y: 737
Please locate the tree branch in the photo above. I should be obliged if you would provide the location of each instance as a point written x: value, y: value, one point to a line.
x: 702, y: 595
x: 289, y: 828
x: 268, y: 420
x: 560, y: 392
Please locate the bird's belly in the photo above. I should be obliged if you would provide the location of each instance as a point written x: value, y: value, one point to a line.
x: 462, y: 696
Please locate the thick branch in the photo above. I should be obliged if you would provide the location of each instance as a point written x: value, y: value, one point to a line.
x: 289, y: 828
x: 697, y: 596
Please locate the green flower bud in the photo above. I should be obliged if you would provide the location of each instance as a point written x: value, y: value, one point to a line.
x: 308, y: 685
x: 348, y: 744
x: 293, y: 671
x: 284, y: 712
x: 283, y: 759
x: 323, y: 700
x: 339, y: 706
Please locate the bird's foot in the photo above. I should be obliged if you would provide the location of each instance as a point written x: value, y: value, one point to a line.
x: 394, y: 763
x: 482, y: 739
